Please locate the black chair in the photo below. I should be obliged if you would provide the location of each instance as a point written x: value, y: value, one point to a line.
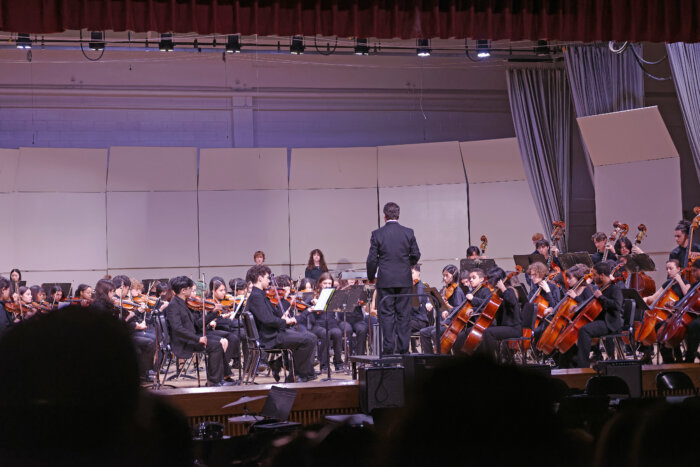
x: 615, y: 343
x: 675, y: 383
x: 607, y: 386
x: 255, y: 350
x: 181, y: 367
x: 519, y: 345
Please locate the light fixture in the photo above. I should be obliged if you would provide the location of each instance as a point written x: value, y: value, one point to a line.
x: 542, y: 48
x: 423, y: 49
x: 97, y: 40
x: 166, y: 42
x: 297, y: 45
x: 23, y: 41
x: 482, y: 48
x: 361, y: 46
x: 233, y: 44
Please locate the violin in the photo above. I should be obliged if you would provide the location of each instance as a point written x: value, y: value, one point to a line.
x: 127, y: 305
x: 195, y: 304
x: 42, y: 306
x: 78, y: 301
x: 448, y: 291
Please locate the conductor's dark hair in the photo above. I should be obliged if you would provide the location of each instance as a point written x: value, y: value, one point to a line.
x: 541, y: 243
x: 473, y: 250
x: 391, y: 211
x: 4, y: 282
x: 180, y: 282
x: 496, y: 274
x: 683, y: 226
x: 603, y: 268
x: 622, y: 241
x: 415, y: 267
x: 257, y: 271
x: 102, y: 288
x: 121, y: 281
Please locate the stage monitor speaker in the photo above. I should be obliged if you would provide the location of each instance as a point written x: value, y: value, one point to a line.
x: 542, y: 370
x: 418, y: 367
x: 380, y: 387
x: 628, y: 370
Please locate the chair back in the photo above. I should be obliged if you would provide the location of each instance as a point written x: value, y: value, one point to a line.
x: 163, y: 330
x: 529, y: 316
x: 251, y: 329
x: 629, y: 311
x: 675, y: 382
x: 606, y: 386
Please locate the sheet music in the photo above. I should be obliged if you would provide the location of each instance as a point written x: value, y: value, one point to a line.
x: 323, y: 298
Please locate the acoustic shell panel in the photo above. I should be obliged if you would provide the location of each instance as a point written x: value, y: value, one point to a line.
x: 8, y: 169
x: 492, y: 160
x: 338, y: 222
x: 75, y: 277
x: 136, y: 168
x: 147, y: 229
x: 420, y: 164
x: 62, y: 170
x: 59, y: 231
x: 243, y: 169
x: 157, y: 273
x: 333, y: 168
x: 438, y: 216
x: 7, y: 232
x: 235, y: 224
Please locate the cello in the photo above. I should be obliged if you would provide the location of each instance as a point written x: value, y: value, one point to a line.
x: 673, y: 330
x: 561, y: 317
x: 658, y: 312
x: 458, y: 323
x: 639, y: 281
x: 540, y: 304
x: 486, y: 318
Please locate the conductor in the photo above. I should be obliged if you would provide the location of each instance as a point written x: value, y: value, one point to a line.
x: 392, y: 251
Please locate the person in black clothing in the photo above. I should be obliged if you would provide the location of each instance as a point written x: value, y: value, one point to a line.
x: 15, y: 279
x: 6, y: 319
x: 543, y: 247
x: 692, y: 336
x: 422, y: 307
x: 473, y: 252
x: 600, y: 240
x: 273, y: 330
x: 537, y: 272
x: 609, y: 320
x: 393, y: 250
x: 359, y: 323
x: 186, y: 333
x: 450, y: 276
x: 316, y: 265
x: 681, y: 234
x: 336, y: 328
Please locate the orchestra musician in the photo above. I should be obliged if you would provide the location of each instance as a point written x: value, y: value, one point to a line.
x: 83, y: 292
x: 55, y: 295
x: 543, y: 248
x: 186, y: 333
x: 359, y: 321
x: 6, y: 319
x: 681, y: 235
x: 692, y: 336
x: 473, y: 252
x: 600, y: 240
x: 421, y: 306
x: 259, y: 257
x: 39, y: 296
x: 274, y: 332
x: 222, y: 324
x: 548, y: 290
x: 624, y: 247
x: 24, y: 297
x: 15, y: 279
x: 336, y: 328
x: 316, y: 265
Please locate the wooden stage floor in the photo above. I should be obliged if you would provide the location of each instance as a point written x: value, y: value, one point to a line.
x: 317, y: 399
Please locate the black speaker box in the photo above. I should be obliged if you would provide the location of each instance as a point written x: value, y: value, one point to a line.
x: 380, y: 387
x: 628, y: 370
x: 542, y: 370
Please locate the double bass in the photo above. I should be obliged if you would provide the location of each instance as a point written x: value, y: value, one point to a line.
x: 486, y: 318
x: 639, y: 281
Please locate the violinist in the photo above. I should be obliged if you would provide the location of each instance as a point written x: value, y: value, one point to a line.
x: 83, y: 292
x: 681, y: 235
x: 274, y: 332
x: 15, y: 279
x: 223, y: 327
x: 316, y: 265
x: 6, y: 319
x: 24, y: 299
x: 55, y: 295
x: 600, y: 240
x: 336, y: 328
x: 609, y: 321
x: 39, y: 299
x: 162, y: 294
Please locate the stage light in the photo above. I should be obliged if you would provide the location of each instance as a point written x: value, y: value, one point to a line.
x: 233, y: 44
x: 423, y: 49
x: 23, y: 41
x: 166, y: 42
x: 361, y: 46
x: 297, y: 45
x: 482, y: 48
x: 542, y: 48
x: 97, y: 40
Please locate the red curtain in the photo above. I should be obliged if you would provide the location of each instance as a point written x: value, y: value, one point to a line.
x: 565, y: 20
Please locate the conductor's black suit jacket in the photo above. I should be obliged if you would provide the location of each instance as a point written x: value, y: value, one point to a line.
x: 392, y: 250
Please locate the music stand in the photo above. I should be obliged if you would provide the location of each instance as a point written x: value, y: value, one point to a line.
x: 65, y: 287
x: 526, y: 260
x: 433, y: 292
x: 633, y: 294
x: 639, y: 262
x: 469, y: 264
x: 354, y: 274
x: 568, y: 260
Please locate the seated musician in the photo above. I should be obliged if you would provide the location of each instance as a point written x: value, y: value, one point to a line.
x: 274, y: 332
x: 473, y: 252
x: 359, y: 321
x: 219, y: 319
x: 507, y: 322
x: 6, y: 318
x: 543, y: 248
x: 55, y: 295
x: 464, y: 281
x: 421, y: 307
x: 39, y: 297
x: 83, y: 292
x: 547, y: 290
x: 336, y: 328
x: 681, y: 235
x: 609, y: 320
x: 624, y: 247
x: 316, y: 265
x: 24, y: 298
x: 186, y: 333
x: 692, y: 336
x: 600, y: 240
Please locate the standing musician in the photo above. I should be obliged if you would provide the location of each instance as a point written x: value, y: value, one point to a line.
x: 6, y: 319
x: 316, y: 265
x: 393, y: 250
x: 681, y: 234
x: 609, y: 321
x: 15, y: 279
x: 692, y: 336
x: 187, y: 335
x: 600, y: 240
x: 273, y: 330
x: 259, y: 257
x: 336, y: 328
x: 421, y: 306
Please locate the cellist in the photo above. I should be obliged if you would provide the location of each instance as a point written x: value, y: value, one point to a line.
x: 537, y: 272
x: 453, y: 297
x: 692, y: 336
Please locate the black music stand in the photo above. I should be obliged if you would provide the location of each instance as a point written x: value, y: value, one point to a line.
x: 568, y: 260
x: 354, y: 274
x: 65, y: 287
x: 639, y: 262
x: 469, y: 264
x: 640, y: 305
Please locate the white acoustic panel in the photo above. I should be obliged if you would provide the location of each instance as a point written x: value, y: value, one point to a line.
x: 506, y: 214
x: 62, y: 169
x: 646, y: 192
x: 157, y: 273
x: 438, y: 216
x: 135, y: 168
x: 232, y: 272
x: 7, y: 232
x: 147, y: 229
x: 8, y: 169
x: 75, y: 277
x: 334, y: 267
x: 338, y: 222
x: 333, y: 168
x: 235, y: 224
x: 628, y: 136
x: 492, y: 160
x: 243, y: 169
x: 59, y: 231
x: 420, y: 164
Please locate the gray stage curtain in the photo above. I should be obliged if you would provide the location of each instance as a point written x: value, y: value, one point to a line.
x: 685, y: 66
x: 602, y: 81
x: 540, y: 102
